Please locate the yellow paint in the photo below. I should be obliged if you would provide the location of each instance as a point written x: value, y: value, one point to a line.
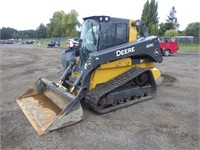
x: 156, y: 73
x: 111, y: 70
x: 132, y: 32
x: 75, y: 74
x: 58, y: 84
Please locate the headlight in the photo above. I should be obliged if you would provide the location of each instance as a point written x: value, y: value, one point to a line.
x: 88, y: 63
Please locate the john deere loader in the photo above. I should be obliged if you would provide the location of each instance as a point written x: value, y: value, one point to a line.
x: 110, y: 69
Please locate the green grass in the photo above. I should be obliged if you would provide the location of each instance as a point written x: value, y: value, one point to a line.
x: 185, y: 47
x: 189, y: 47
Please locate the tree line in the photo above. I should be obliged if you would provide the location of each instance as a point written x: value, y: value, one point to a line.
x: 61, y: 25
x: 170, y: 27
x: 64, y: 25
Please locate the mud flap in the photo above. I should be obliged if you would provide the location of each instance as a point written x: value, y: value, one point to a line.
x: 48, y: 106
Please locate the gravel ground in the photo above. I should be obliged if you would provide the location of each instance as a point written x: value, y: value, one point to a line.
x: 169, y: 121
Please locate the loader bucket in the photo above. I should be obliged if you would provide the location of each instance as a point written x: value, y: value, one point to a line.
x: 48, y: 106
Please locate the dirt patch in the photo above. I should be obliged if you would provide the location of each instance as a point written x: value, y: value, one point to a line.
x: 168, y: 80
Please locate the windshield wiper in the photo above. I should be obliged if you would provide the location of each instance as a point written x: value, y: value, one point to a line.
x: 93, y: 35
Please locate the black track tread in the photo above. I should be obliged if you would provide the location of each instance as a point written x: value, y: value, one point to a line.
x: 94, y: 95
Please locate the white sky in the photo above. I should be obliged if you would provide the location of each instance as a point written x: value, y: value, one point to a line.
x: 28, y: 14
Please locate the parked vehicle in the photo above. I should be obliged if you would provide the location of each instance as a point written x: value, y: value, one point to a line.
x: 9, y: 41
x: 168, y: 46
x: 3, y: 41
x: 54, y: 43
x: 73, y: 42
x: 27, y: 41
x: 30, y: 41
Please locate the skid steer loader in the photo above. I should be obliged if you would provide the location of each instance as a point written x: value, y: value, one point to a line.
x: 111, y: 69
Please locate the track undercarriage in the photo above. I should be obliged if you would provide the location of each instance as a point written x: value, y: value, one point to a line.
x: 131, y: 87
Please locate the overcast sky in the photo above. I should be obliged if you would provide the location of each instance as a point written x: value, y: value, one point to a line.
x: 28, y: 14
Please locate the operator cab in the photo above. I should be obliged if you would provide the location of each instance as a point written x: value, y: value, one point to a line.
x: 101, y: 32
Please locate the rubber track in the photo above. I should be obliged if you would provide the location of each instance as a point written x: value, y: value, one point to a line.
x: 94, y: 95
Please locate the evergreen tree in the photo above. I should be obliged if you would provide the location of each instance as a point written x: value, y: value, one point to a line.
x: 145, y: 12
x: 41, y: 31
x: 150, y: 16
x: 172, y: 18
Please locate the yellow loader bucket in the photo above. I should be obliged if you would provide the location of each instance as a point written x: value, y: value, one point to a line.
x: 48, y: 106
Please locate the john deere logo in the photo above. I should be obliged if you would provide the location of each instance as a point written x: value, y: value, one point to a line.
x: 125, y: 51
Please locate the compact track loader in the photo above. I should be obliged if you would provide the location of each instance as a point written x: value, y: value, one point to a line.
x: 109, y: 70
